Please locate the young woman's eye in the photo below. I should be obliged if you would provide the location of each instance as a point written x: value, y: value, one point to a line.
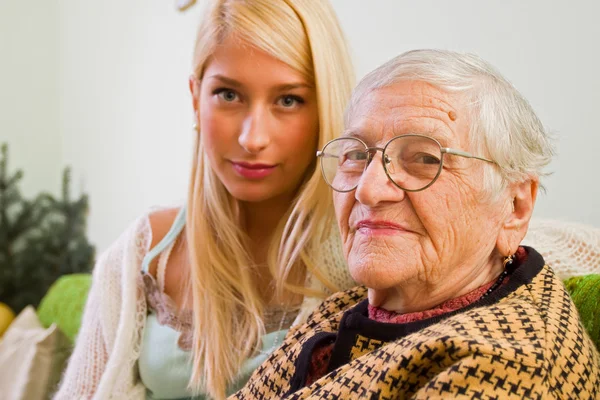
x: 290, y: 101
x: 226, y: 95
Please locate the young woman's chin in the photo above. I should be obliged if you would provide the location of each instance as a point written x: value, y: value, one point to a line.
x: 255, y: 192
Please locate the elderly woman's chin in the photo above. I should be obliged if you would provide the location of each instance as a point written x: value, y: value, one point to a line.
x: 378, y: 271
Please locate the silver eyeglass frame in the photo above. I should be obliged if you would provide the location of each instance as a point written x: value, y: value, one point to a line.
x: 370, y: 151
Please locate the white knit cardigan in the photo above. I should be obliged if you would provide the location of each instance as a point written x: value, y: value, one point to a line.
x: 103, y: 364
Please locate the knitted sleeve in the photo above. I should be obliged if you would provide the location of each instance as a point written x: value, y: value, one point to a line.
x: 569, y: 248
x: 332, y: 265
x: 89, y: 357
x: 112, y: 300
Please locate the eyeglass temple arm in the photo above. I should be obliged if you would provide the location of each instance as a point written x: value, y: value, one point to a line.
x: 466, y: 154
x: 321, y: 154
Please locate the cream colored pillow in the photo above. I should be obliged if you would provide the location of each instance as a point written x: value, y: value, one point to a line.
x: 26, y: 357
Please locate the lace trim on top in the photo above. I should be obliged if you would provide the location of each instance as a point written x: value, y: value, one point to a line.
x: 167, y: 313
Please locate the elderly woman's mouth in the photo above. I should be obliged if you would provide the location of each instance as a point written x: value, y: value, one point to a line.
x: 380, y: 227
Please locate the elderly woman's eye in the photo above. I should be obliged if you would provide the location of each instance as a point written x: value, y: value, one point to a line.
x: 420, y: 158
x: 356, y: 156
x: 428, y: 159
x: 352, y: 161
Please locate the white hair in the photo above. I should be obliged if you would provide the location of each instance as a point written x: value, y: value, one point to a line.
x: 503, y: 125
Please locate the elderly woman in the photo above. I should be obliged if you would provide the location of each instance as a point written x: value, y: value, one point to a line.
x: 435, y: 181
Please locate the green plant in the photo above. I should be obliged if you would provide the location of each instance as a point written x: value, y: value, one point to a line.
x: 40, y: 239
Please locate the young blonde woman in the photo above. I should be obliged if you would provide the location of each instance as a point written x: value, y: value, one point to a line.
x: 189, y: 301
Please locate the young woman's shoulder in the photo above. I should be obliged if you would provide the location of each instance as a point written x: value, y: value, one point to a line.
x: 140, y: 236
x: 161, y: 221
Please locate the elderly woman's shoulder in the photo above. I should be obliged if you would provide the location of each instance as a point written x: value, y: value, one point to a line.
x: 537, y: 321
x: 338, y: 303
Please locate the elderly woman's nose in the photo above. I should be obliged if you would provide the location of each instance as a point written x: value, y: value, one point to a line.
x: 374, y: 186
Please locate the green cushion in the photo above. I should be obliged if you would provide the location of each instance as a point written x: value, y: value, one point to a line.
x: 64, y: 303
x: 585, y: 292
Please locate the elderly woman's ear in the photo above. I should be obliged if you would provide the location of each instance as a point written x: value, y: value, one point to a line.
x: 522, y: 199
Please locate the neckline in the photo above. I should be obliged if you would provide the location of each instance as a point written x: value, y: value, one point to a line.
x: 379, y: 314
x: 357, y: 317
x: 382, y: 315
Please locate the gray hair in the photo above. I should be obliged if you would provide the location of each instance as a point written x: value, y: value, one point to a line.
x: 503, y: 125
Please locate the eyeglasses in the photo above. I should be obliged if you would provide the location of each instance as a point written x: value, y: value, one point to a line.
x: 412, y: 162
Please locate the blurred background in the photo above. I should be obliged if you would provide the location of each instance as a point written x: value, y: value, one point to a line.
x: 101, y: 86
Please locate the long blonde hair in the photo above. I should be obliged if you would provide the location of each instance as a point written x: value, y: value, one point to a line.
x: 228, y: 308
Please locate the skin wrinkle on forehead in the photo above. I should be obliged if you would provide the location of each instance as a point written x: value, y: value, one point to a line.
x: 427, y: 97
x: 423, y: 104
x: 368, y: 106
x: 401, y: 125
x: 428, y: 126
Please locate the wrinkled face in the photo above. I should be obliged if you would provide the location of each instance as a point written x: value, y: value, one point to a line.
x: 394, y: 238
x: 259, y: 122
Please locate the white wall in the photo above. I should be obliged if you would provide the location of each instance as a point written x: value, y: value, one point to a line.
x: 125, y: 112
x: 125, y: 115
x: 28, y: 92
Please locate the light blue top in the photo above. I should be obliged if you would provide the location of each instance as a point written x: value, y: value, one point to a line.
x: 165, y: 369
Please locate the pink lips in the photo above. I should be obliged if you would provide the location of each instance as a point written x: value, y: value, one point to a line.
x: 253, y: 171
x: 379, y: 227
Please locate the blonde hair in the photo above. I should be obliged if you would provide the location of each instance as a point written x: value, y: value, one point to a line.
x: 228, y: 308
